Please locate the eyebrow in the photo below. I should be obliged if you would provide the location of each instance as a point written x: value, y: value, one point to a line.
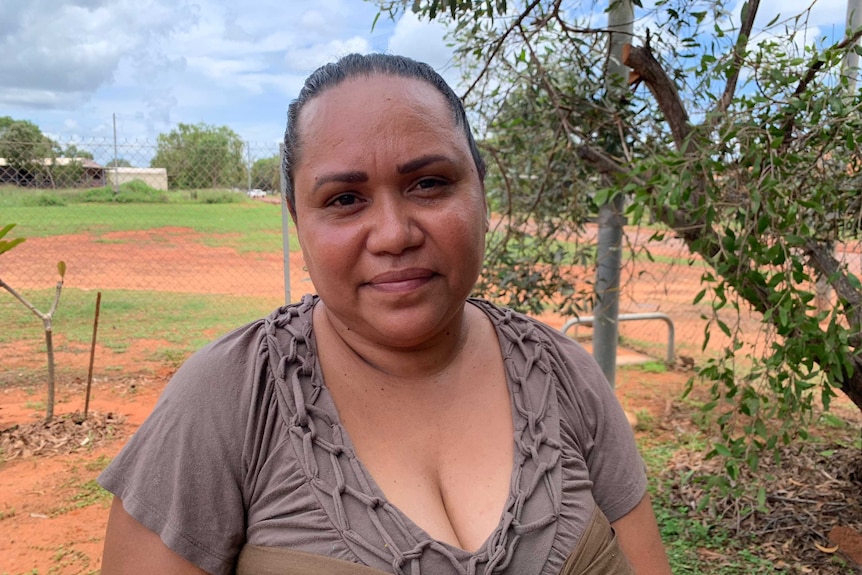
x: 353, y: 177
x: 421, y: 162
x: 358, y: 176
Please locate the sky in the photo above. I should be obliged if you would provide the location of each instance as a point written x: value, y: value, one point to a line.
x: 72, y: 66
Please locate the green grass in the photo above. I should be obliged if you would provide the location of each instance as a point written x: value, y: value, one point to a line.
x: 98, y: 219
x: 184, y: 321
x: 84, y: 494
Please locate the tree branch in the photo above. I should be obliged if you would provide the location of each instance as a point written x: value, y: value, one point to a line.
x: 56, y: 299
x: 642, y: 62
x: 820, y: 258
x: 790, y: 117
x: 21, y: 298
x: 498, y: 45
x: 738, y: 52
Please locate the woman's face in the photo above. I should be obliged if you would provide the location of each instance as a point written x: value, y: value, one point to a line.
x: 390, y: 209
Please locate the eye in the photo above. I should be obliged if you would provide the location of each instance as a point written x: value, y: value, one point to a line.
x: 344, y: 200
x: 429, y: 183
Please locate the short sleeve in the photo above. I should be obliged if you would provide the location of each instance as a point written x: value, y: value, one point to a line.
x: 592, y: 415
x: 181, y: 474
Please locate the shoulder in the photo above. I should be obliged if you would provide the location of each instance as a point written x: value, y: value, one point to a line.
x: 513, y: 326
x: 587, y: 402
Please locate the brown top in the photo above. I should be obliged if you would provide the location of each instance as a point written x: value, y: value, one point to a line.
x: 597, y: 553
x: 245, y: 448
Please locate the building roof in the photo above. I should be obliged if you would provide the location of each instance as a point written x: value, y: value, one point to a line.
x: 85, y: 162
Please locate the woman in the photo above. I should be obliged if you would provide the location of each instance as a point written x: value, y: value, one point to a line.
x: 373, y: 424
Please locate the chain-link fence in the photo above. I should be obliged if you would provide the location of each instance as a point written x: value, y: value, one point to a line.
x: 211, y: 243
x: 49, y: 191
x: 164, y: 229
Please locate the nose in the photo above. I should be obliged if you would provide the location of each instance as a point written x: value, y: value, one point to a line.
x: 394, y: 228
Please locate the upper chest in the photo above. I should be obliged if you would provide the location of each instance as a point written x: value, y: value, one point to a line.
x: 313, y: 490
x: 440, y: 450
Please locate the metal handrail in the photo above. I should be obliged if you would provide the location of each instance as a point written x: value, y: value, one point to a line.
x: 589, y: 320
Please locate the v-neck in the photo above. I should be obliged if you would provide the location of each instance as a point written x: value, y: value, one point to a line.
x: 327, y: 402
x: 522, y: 486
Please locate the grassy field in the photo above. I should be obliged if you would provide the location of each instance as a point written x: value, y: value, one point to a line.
x: 255, y: 225
x: 184, y: 322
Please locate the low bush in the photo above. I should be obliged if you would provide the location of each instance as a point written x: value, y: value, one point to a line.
x: 44, y: 200
x: 135, y: 191
x: 217, y: 197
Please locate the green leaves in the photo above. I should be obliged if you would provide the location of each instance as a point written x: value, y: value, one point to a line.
x: 201, y: 156
x: 6, y: 245
x: 764, y: 187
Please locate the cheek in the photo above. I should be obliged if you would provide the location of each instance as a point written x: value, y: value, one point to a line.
x: 329, y: 251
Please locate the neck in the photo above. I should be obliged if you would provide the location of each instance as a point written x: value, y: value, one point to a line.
x: 425, y: 361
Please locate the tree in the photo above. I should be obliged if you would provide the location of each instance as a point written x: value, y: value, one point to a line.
x: 73, y: 151
x: 744, y: 148
x: 25, y: 150
x: 119, y: 163
x: 265, y: 174
x: 46, y: 317
x: 201, y: 156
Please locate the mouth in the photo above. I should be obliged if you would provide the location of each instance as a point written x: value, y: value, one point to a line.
x: 401, y: 281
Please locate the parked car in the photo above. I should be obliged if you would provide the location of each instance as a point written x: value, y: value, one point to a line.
x: 256, y: 193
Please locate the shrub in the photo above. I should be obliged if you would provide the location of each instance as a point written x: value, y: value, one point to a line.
x: 44, y: 200
x: 216, y: 197
x: 136, y: 191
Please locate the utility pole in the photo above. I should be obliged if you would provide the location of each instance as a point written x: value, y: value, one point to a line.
x: 611, y: 217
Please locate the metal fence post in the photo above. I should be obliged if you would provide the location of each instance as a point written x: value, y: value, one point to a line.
x: 285, y: 225
x: 606, y: 330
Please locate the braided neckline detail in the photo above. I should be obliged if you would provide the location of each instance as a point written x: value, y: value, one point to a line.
x: 377, y: 532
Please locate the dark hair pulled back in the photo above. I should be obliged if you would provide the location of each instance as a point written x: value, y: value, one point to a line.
x: 366, y: 65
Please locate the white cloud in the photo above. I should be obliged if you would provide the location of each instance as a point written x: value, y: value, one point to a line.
x: 75, y: 47
x: 70, y: 65
x: 426, y: 42
x: 308, y: 58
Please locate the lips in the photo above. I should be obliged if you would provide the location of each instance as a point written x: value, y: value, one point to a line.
x: 400, y: 281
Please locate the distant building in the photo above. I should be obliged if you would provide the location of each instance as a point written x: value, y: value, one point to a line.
x: 54, y: 173
x: 154, y: 177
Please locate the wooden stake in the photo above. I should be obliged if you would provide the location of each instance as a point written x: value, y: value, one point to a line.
x: 92, y: 354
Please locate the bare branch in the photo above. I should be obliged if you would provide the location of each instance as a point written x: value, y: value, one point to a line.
x: 56, y: 299
x: 498, y: 45
x: 603, y: 163
x: 21, y: 298
x: 738, y: 53
x: 642, y: 62
x: 821, y: 258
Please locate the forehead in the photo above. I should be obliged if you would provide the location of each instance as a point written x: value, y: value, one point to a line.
x: 374, y: 112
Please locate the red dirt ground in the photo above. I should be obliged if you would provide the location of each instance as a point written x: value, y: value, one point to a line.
x: 47, y: 525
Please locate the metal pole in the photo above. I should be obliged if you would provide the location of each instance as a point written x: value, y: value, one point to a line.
x: 611, y: 219
x: 285, y: 228
x: 248, y: 163
x: 116, y: 167
x: 851, y: 59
